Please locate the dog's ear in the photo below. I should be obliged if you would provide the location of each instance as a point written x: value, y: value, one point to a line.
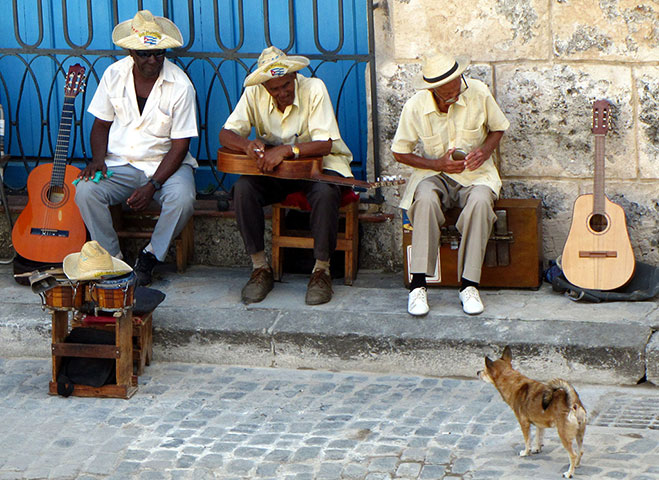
x: 507, y: 354
x: 488, y: 363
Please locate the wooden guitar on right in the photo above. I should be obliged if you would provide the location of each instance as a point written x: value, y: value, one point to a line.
x: 598, y: 254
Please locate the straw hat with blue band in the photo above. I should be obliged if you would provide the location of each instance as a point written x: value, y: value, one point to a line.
x: 440, y: 70
x: 274, y: 63
x: 146, y: 32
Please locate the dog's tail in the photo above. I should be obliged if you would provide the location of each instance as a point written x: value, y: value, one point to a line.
x: 572, y: 400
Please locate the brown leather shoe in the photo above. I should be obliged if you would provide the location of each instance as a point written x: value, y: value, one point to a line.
x: 258, y: 286
x: 319, y: 289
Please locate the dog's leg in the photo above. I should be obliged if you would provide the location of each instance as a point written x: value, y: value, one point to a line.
x: 525, y: 425
x: 567, y: 443
x: 539, y: 432
x: 580, y: 434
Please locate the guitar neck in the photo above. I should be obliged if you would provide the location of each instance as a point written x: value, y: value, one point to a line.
x: 62, y: 147
x: 598, y: 189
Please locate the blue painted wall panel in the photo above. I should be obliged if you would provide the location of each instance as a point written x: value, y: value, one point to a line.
x: 222, y: 43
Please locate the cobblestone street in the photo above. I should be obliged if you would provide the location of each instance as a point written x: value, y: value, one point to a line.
x: 191, y: 421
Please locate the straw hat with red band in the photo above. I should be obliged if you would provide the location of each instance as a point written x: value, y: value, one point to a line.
x: 146, y: 32
x: 440, y: 70
x: 274, y: 63
x: 93, y: 261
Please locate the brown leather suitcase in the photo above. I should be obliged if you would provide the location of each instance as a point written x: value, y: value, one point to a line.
x: 514, y: 252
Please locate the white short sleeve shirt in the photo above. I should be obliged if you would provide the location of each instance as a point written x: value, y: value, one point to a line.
x: 142, y: 140
x: 309, y: 118
x: 465, y: 126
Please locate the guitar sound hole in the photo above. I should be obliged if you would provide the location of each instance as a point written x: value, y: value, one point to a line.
x: 56, y: 195
x: 598, y: 223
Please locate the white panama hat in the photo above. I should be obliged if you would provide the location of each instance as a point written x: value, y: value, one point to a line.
x: 146, y: 32
x: 274, y: 63
x: 439, y: 70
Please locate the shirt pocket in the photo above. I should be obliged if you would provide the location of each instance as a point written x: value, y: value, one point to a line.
x: 160, y: 125
x: 468, y: 140
x: 123, y: 113
x: 433, y: 146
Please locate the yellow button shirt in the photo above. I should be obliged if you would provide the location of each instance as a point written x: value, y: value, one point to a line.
x: 465, y: 126
x: 309, y: 118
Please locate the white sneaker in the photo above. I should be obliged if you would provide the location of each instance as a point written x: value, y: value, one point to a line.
x: 471, y: 301
x: 417, y: 302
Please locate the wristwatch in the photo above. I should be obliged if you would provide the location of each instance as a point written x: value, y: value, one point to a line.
x: 156, y: 184
x: 296, y: 151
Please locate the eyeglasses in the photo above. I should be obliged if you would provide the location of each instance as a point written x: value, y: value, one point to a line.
x: 453, y: 99
x: 148, y: 53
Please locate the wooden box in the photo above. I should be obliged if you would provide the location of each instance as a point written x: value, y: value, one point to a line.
x: 142, y: 336
x: 514, y: 252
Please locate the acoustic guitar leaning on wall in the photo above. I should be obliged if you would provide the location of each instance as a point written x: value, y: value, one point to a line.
x: 598, y: 254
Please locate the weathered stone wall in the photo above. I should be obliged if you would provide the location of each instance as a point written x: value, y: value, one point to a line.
x: 546, y: 62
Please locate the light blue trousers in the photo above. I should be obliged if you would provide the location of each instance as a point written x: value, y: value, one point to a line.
x: 176, y: 199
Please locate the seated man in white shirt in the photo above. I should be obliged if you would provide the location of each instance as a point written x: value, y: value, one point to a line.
x: 293, y: 116
x: 145, y: 116
x: 447, y: 114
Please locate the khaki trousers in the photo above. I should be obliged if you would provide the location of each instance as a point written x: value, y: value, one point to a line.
x: 475, y: 224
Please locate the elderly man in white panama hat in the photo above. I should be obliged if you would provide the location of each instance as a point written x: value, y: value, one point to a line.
x: 145, y: 116
x: 293, y: 116
x: 449, y: 115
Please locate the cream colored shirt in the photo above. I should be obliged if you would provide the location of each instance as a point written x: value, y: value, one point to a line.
x: 142, y: 140
x: 465, y: 126
x: 309, y: 118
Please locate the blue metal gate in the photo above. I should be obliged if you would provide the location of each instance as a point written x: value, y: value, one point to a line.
x: 40, y: 39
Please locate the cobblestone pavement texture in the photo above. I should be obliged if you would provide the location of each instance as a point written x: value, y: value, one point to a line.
x: 196, y: 421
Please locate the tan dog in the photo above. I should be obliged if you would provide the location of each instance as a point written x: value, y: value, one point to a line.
x: 555, y: 404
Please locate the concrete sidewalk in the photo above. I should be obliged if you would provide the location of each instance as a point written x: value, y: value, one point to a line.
x: 366, y: 328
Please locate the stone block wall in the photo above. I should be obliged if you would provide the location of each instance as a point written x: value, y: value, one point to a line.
x: 546, y: 62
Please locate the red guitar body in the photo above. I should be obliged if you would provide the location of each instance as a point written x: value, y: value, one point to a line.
x: 50, y: 226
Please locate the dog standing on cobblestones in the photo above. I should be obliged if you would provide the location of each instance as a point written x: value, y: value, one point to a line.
x: 555, y: 404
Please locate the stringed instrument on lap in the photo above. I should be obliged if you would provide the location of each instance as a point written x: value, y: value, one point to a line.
x: 50, y: 226
x: 307, y: 168
x: 598, y: 253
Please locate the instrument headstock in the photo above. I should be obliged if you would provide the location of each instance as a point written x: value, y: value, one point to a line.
x: 388, y: 180
x: 75, y: 81
x: 601, y: 117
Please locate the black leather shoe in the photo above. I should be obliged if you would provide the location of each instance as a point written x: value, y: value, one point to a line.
x: 144, y: 265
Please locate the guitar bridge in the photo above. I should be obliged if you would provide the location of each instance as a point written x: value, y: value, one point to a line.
x: 49, y: 232
x: 598, y: 254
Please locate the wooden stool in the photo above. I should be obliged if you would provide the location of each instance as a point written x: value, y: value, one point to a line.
x: 347, y: 241
x: 121, y: 351
x: 129, y: 224
x: 142, y: 335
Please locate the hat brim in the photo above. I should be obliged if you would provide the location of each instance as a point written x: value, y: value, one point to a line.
x: 123, y: 36
x: 70, y: 267
x: 293, y: 64
x: 420, y: 82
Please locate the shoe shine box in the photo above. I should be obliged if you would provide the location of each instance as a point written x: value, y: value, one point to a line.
x: 513, y: 257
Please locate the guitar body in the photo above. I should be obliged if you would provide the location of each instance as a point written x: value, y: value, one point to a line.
x: 50, y: 226
x: 598, y: 257
x: 307, y: 168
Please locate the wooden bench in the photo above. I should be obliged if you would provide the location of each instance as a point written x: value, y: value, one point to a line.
x: 347, y: 240
x: 130, y: 224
